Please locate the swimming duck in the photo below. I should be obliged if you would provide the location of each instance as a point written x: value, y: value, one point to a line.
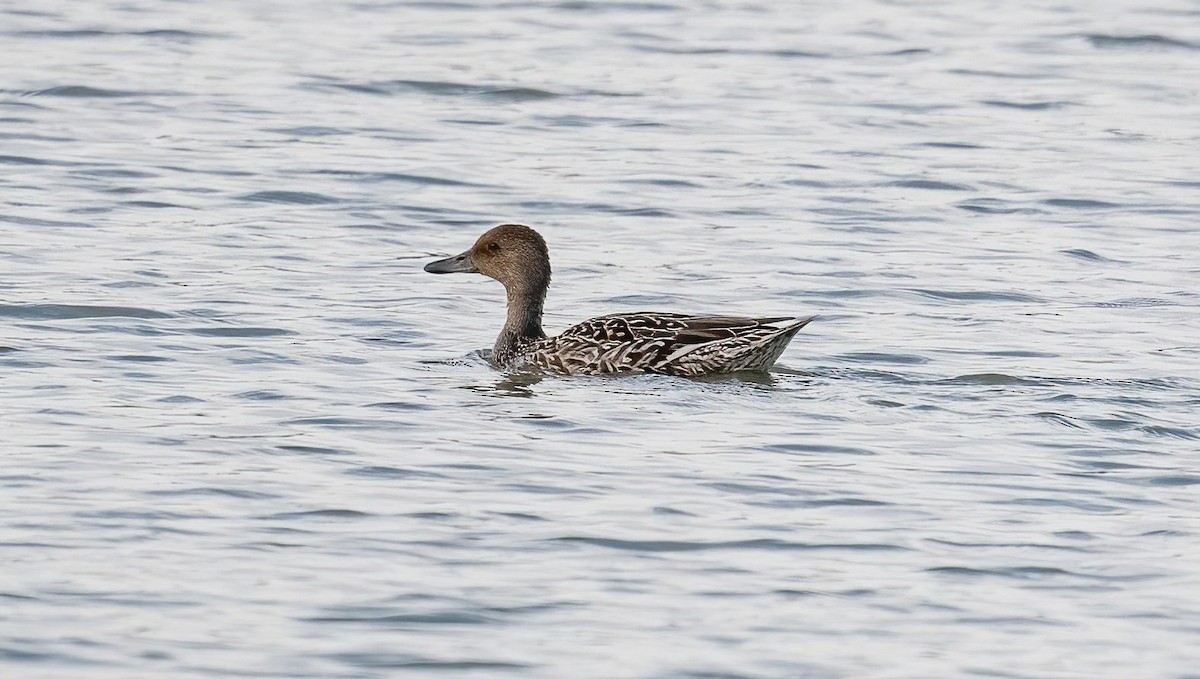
x: 643, y: 342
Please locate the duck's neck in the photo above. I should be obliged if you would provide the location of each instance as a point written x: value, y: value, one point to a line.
x: 524, y: 322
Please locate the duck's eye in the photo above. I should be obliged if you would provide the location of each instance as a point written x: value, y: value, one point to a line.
x: 493, y: 247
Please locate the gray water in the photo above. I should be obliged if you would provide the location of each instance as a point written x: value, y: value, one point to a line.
x: 244, y: 435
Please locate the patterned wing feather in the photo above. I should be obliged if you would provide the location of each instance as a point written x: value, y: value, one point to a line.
x: 675, y: 344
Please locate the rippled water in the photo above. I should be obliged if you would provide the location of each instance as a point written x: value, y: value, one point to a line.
x: 245, y: 434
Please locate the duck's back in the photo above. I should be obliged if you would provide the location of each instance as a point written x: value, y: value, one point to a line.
x: 673, y: 344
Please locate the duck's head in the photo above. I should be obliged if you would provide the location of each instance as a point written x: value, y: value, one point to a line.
x: 513, y: 254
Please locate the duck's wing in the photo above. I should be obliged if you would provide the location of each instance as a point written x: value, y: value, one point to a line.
x: 724, y: 345
x: 669, y: 343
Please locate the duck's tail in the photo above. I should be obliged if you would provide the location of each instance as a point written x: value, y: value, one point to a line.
x: 761, y: 355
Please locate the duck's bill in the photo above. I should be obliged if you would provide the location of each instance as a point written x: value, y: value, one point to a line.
x: 456, y: 264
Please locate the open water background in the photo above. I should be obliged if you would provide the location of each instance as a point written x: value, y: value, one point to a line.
x: 244, y: 435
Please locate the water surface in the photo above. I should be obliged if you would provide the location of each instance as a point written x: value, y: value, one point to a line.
x: 246, y: 435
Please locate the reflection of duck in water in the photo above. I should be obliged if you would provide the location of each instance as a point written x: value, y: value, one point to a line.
x: 673, y: 344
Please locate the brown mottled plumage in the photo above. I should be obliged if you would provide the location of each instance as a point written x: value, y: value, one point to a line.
x: 673, y: 344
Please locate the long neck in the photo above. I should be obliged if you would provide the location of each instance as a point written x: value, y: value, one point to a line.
x: 524, y: 322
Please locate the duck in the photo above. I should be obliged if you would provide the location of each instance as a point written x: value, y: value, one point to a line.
x: 622, y: 343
